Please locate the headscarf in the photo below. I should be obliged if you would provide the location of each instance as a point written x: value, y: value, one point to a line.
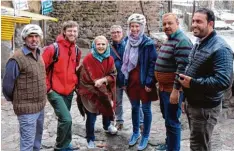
x: 130, y: 57
x: 98, y: 56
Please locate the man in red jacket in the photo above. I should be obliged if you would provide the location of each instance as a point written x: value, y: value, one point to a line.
x: 61, y: 81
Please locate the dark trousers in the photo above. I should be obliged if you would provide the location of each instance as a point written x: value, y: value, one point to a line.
x: 62, y: 106
x: 201, y: 124
x: 90, y: 124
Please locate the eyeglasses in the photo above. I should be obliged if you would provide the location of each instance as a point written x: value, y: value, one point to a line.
x: 116, y: 32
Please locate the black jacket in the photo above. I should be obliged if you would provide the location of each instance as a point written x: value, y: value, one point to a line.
x: 211, y: 68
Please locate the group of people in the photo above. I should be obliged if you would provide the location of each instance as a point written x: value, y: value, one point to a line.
x: 190, y: 78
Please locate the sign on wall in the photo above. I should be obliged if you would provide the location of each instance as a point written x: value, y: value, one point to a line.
x: 20, y: 4
x: 46, y: 6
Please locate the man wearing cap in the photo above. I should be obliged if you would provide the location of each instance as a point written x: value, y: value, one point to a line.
x: 24, y: 84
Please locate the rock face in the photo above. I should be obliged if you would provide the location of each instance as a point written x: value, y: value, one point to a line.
x: 96, y: 17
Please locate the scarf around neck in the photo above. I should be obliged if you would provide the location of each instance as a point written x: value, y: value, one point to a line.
x: 130, y: 57
x: 98, y: 56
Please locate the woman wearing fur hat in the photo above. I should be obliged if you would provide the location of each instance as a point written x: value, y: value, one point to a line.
x: 138, y: 68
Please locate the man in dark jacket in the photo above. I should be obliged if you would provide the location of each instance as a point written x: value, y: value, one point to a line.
x: 117, y: 51
x: 207, y: 75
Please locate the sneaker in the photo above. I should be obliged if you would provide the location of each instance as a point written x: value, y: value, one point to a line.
x: 71, y: 148
x: 161, y: 147
x: 143, y: 144
x: 133, y: 139
x: 112, y: 130
x: 91, y: 144
x: 119, y: 126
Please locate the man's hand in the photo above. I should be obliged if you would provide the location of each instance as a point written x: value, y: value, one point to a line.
x: 99, y: 82
x: 147, y: 89
x: 174, y: 97
x: 185, y: 80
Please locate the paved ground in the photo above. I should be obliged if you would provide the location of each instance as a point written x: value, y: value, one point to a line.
x: 222, y: 140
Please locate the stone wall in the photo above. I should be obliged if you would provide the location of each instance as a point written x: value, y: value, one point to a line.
x: 96, y: 17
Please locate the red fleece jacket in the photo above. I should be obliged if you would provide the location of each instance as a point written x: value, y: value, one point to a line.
x: 64, y: 78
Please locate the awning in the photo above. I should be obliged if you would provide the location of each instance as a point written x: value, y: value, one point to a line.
x: 10, y: 11
x: 7, y: 25
x: 8, y: 20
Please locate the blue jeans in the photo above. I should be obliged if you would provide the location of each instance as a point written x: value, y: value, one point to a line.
x: 119, y: 107
x: 90, y: 123
x: 171, y: 113
x: 31, y: 129
x: 146, y: 108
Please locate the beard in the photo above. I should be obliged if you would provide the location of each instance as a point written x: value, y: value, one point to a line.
x: 200, y: 32
x: 32, y: 46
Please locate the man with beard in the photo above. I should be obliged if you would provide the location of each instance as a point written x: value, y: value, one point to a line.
x: 207, y: 75
x: 172, y: 59
x: 24, y: 84
x: 61, y: 81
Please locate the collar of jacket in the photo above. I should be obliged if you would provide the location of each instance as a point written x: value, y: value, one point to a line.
x: 204, y: 41
x: 26, y: 51
x: 122, y: 42
x: 60, y: 39
x: 173, y: 35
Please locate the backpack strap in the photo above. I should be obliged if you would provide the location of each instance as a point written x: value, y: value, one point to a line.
x: 56, y: 52
x: 55, y: 59
x: 116, y: 53
x: 50, y: 69
x: 77, y: 52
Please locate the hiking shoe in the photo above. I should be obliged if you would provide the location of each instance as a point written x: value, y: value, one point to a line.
x: 133, y: 139
x: 143, y: 144
x: 161, y: 147
x: 119, y: 126
x: 91, y: 144
x: 112, y: 130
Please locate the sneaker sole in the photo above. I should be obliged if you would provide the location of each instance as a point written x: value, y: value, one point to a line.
x: 110, y: 132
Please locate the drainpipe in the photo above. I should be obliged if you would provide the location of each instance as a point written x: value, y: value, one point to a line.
x: 170, y: 6
x: 142, y: 10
